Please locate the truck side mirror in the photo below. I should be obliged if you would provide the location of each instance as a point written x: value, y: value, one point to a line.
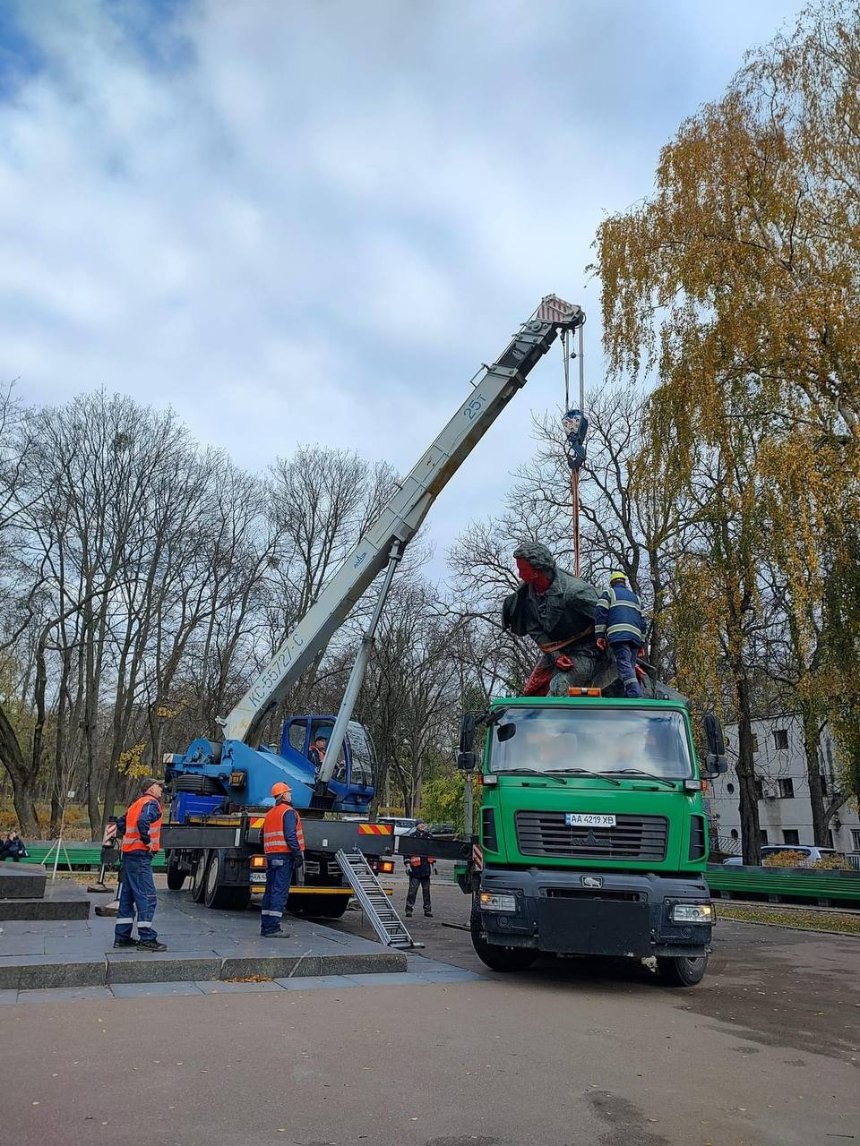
x: 715, y: 761
x: 466, y: 755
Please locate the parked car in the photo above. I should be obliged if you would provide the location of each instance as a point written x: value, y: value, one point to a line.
x: 402, y: 825
x: 442, y: 831
x: 811, y: 854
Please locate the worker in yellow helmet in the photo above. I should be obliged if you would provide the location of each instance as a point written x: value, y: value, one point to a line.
x: 618, y: 624
x: 284, y: 846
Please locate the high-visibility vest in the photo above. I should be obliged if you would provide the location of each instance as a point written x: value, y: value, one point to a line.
x: 618, y: 616
x: 131, y: 840
x: 273, y: 830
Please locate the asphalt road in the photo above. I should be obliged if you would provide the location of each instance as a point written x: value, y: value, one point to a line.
x: 763, y: 1053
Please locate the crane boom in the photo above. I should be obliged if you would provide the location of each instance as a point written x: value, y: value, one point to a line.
x: 402, y: 516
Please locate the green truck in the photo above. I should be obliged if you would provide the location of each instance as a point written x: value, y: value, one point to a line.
x: 593, y: 832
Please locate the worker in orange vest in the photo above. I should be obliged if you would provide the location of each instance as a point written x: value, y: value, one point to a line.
x: 284, y: 845
x: 419, y: 868
x: 140, y: 828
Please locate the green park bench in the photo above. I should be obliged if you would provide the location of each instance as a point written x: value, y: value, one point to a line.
x: 81, y: 857
x: 784, y: 884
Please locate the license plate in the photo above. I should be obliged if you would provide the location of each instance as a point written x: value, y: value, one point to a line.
x: 258, y: 877
x: 588, y: 820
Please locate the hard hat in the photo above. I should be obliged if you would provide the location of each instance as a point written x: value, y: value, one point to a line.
x: 281, y: 789
x: 616, y: 575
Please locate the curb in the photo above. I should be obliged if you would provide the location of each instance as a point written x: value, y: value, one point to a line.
x: 32, y: 972
x: 789, y: 927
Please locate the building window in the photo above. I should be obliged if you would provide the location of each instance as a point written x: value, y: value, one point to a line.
x: 790, y: 836
x: 730, y: 788
x: 785, y: 789
x: 754, y: 743
x: 762, y: 835
x: 780, y: 738
x: 855, y: 840
x: 759, y: 790
x: 734, y: 834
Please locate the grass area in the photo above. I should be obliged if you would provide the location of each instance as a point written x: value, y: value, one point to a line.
x: 804, y: 918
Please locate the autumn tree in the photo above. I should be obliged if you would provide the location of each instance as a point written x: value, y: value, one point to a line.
x: 736, y: 287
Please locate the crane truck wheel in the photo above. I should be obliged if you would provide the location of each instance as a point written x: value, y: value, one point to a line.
x: 215, y: 894
x: 198, y: 877
x: 499, y: 958
x: 682, y: 971
x: 198, y: 785
x: 240, y: 897
x: 175, y: 877
x: 324, y: 906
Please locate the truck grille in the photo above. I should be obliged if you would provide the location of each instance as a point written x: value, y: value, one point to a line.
x: 633, y: 837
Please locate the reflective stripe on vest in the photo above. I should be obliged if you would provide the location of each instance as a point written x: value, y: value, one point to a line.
x: 273, y: 830
x: 624, y: 616
x: 131, y: 840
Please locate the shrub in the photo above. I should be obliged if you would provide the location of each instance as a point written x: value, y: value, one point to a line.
x: 832, y: 863
x: 788, y: 858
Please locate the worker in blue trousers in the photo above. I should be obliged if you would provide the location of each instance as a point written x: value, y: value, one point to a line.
x: 618, y: 623
x: 284, y: 845
x: 140, y: 828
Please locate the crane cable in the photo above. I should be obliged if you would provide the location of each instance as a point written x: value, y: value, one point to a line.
x: 581, y: 430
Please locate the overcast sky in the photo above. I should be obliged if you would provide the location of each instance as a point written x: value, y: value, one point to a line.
x: 311, y: 221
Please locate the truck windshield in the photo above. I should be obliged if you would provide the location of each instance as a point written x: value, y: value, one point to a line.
x: 601, y: 741
x: 363, y: 755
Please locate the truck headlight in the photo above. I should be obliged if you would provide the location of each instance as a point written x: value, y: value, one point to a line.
x: 693, y: 913
x: 491, y: 902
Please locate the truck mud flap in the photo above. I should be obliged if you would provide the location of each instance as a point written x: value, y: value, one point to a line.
x: 594, y: 927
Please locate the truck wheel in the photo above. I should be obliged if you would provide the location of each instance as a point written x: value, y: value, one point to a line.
x: 333, y: 906
x: 198, y: 877
x: 215, y: 894
x: 198, y: 785
x: 681, y: 970
x: 240, y: 897
x: 175, y: 877
x: 499, y: 958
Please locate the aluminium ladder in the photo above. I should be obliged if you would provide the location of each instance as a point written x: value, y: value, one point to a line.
x: 374, y: 902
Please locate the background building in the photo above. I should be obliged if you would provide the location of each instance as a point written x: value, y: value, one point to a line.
x: 784, y: 809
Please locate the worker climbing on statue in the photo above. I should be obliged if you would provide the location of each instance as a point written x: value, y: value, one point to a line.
x: 618, y: 624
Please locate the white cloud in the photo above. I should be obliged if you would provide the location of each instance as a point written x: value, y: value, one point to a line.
x: 311, y: 222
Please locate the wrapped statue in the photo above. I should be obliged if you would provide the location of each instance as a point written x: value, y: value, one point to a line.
x: 556, y: 610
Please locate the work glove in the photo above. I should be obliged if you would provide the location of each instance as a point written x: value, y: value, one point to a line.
x: 299, y: 860
x: 563, y: 663
x: 601, y: 644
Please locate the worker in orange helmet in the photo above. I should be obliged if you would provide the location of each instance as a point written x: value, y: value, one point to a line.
x: 284, y: 846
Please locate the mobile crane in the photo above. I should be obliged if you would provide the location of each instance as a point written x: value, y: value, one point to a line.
x: 220, y: 790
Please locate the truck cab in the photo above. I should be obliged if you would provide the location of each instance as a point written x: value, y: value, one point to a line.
x: 352, y: 780
x: 593, y: 834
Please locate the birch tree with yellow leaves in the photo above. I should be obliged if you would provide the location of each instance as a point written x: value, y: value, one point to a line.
x: 735, y: 287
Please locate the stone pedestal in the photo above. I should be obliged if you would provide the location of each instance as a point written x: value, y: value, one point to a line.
x: 23, y: 895
x: 22, y: 881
